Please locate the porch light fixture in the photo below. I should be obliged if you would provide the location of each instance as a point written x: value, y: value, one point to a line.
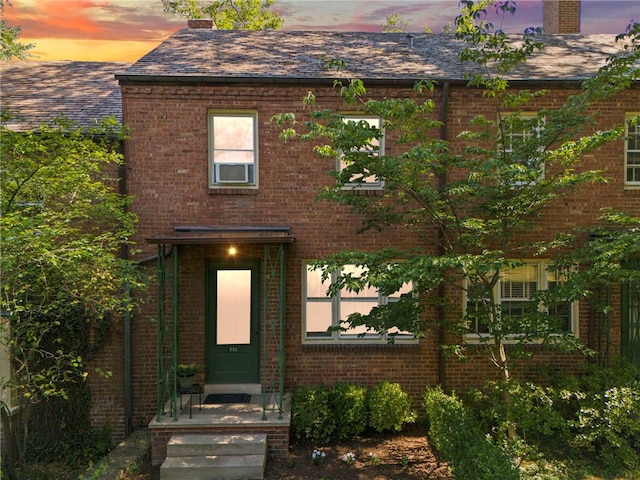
x: 232, y: 251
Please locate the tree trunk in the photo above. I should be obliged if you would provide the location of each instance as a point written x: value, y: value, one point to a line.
x: 7, y: 467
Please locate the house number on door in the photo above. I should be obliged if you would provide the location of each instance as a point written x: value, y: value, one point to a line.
x: 233, y: 349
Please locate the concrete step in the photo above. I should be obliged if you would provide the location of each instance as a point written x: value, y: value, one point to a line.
x: 196, y: 445
x: 223, y: 467
x: 215, y: 456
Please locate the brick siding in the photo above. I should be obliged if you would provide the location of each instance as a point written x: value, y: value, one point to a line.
x: 167, y: 174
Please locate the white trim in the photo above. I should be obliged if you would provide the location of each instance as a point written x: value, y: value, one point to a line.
x: 630, y: 185
x: 525, y: 134
x: 212, y: 181
x: 379, y: 184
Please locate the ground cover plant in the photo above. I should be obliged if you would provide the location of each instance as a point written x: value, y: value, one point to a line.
x: 583, y: 426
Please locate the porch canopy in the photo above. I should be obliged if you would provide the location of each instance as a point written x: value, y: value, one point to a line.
x: 204, y: 235
x: 274, y: 239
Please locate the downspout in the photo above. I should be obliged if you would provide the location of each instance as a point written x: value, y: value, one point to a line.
x: 124, y: 254
x: 442, y: 373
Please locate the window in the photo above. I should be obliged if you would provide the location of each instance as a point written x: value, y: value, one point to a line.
x: 322, y: 312
x: 233, y: 153
x: 519, y: 147
x: 359, y: 180
x: 514, y: 292
x: 6, y: 393
x: 632, y: 152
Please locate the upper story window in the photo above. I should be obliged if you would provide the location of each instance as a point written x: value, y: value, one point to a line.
x: 358, y: 180
x: 515, y: 295
x: 323, y: 314
x: 233, y: 140
x: 632, y: 152
x: 519, y: 135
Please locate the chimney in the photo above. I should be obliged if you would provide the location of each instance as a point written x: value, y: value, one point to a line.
x: 200, y: 23
x: 561, y: 16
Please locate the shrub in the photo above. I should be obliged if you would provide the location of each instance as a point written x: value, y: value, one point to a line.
x: 311, y: 415
x: 457, y: 436
x: 608, y: 424
x: 532, y: 410
x: 348, y: 403
x: 389, y: 407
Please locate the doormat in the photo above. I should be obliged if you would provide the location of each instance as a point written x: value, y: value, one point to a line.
x: 227, y: 398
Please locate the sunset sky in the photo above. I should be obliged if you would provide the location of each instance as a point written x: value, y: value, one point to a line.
x: 124, y: 30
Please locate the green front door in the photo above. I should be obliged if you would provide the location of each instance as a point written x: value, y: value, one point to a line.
x: 232, y: 322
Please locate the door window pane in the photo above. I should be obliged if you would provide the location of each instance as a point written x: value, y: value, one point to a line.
x: 233, y: 307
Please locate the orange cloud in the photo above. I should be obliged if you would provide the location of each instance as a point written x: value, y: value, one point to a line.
x: 93, y: 19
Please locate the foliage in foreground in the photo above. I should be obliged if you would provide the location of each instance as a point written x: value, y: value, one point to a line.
x: 577, y: 425
x: 327, y: 414
x: 64, y: 279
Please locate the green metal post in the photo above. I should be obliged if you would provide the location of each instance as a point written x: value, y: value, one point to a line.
x: 174, y: 345
x: 265, y: 316
x: 281, y: 300
x: 161, y: 333
x: 273, y: 287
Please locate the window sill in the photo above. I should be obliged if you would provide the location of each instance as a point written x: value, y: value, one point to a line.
x: 364, y: 191
x: 486, y: 339
x: 357, y: 344
x: 233, y: 191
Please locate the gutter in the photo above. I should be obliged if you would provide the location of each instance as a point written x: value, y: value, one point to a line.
x: 127, y: 79
x: 124, y: 253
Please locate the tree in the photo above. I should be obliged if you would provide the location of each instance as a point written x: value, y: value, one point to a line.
x: 479, y: 194
x: 11, y: 47
x: 63, y: 277
x: 229, y: 14
x: 395, y: 23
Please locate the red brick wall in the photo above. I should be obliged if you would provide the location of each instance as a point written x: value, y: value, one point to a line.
x: 561, y: 16
x: 167, y: 172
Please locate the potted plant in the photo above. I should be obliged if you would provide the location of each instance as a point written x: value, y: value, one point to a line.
x: 186, y: 372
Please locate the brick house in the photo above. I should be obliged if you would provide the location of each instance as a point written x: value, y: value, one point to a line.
x: 229, y: 219
x: 209, y: 174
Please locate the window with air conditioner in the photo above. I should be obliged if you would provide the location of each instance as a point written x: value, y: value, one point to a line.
x: 233, y: 149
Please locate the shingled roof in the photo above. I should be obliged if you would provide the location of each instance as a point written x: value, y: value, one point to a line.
x: 40, y: 91
x: 201, y: 55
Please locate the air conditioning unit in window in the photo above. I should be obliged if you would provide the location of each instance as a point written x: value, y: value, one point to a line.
x: 234, y: 173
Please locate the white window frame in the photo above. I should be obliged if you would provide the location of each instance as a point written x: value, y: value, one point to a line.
x: 213, y: 182
x: 340, y: 337
x: 507, y: 140
x: 543, y: 276
x: 633, y: 169
x: 374, y: 121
